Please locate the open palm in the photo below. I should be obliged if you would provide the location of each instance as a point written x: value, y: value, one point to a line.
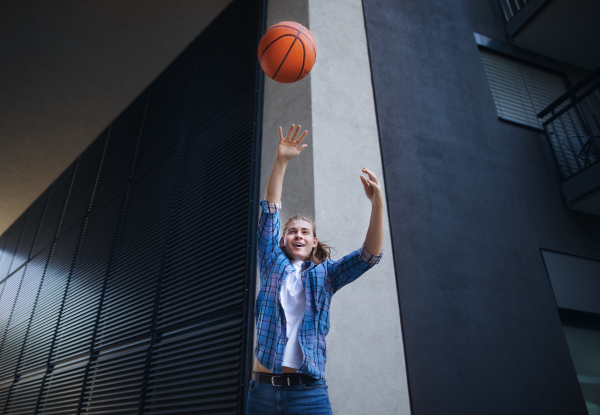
x: 289, y: 146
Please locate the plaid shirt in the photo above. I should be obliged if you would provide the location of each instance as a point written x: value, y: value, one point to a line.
x: 320, y: 283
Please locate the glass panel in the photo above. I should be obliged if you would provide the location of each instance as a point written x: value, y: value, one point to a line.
x: 584, y: 345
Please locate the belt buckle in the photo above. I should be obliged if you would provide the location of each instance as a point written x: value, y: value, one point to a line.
x: 273, y: 380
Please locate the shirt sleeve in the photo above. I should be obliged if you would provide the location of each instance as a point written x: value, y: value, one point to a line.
x: 267, y: 236
x: 343, y: 271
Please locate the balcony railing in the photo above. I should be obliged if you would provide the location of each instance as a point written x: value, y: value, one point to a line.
x: 573, y: 129
x: 518, y: 13
x: 511, y: 7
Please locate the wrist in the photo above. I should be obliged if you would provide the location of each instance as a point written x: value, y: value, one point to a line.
x: 377, y: 203
x: 281, y: 161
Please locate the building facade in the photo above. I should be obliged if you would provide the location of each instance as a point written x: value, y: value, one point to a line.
x: 128, y: 285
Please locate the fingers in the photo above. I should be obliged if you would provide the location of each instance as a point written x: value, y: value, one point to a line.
x: 302, y: 137
x: 295, y: 132
x: 372, y: 176
x: 302, y: 147
x: 292, y: 134
x: 365, y: 182
x: 287, y: 136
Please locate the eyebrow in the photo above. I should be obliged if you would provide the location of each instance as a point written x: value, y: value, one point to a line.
x: 294, y: 228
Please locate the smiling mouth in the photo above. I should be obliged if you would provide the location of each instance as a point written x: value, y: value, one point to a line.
x: 298, y: 245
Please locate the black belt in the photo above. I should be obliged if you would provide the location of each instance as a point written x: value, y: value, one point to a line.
x: 285, y: 379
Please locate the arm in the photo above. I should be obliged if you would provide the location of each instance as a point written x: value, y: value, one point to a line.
x: 346, y: 270
x: 267, y: 235
x: 288, y: 148
x: 374, y: 238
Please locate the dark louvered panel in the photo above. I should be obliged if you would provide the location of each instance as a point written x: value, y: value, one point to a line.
x: 2, y: 285
x: 30, y: 285
x: 84, y: 182
x: 7, y: 302
x: 30, y: 231
x: 47, y: 310
x: 54, y: 210
x: 12, y: 244
x: 131, y: 290
x: 62, y: 388
x: 197, y: 370
x: 24, y: 394
x: 114, y: 384
x: 3, y: 239
x: 5, y: 387
x: 225, y: 71
x: 122, y: 142
x: 199, y: 250
x: 163, y: 126
x: 80, y: 311
x: 11, y: 350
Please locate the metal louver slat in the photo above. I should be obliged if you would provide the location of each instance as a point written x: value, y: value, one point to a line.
x: 85, y: 288
x: 62, y: 388
x: 5, y: 387
x: 30, y: 231
x: 123, y: 135
x: 36, y: 350
x: 54, y: 209
x: 519, y: 90
x: 84, y: 182
x: 24, y: 395
x: 196, y: 371
x: 114, y: 384
x: 12, y: 244
x: 7, y: 302
x: 127, y: 297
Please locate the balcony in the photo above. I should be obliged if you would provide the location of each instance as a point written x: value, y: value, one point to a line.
x: 565, y: 30
x: 572, y: 125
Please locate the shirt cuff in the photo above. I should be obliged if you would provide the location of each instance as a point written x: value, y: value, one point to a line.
x: 365, y: 256
x: 272, y: 207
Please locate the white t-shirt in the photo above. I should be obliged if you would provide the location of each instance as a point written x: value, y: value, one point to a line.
x: 293, y: 300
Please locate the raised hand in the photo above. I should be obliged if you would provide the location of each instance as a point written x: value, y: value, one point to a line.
x: 289, y: 146
x: 372, y: 186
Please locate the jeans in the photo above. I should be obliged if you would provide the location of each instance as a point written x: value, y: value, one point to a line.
x: 309, y: 399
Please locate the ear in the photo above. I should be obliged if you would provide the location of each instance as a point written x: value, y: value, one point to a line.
x: 316, y: 243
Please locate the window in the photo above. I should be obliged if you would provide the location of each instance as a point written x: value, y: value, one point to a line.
x: 575, y: 282
x: 520, y: 90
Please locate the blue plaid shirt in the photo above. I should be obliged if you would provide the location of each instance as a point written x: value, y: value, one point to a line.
x: 320, y: 283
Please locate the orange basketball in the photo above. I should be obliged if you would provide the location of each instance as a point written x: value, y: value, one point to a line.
x: 287, y: 52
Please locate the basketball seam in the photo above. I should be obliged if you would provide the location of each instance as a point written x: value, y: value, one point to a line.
x: 263, y: 52
x: 282, y: 25
x: 311, y: 43
x: 303, y: 58
x: 288, y: 52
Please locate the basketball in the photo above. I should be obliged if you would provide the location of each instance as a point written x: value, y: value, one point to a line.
x: 287, y: 52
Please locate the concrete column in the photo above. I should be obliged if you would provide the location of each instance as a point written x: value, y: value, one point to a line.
x: 365, y: 360
x: 286, y: 104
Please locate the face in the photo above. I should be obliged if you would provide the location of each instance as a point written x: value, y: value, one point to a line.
x: 299, y: 240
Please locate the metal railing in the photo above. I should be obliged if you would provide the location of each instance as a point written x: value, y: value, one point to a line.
x: 573, y: 129
x: 511, y: 7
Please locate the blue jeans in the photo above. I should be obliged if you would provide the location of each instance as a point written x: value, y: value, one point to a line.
x: 309, y: 399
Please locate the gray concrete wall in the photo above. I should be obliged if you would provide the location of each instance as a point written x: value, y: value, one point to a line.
x: 365, y: 367
x: 472, y: 200
x: 286, y: 104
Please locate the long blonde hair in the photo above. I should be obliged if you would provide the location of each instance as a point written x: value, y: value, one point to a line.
x: 319, y: 253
